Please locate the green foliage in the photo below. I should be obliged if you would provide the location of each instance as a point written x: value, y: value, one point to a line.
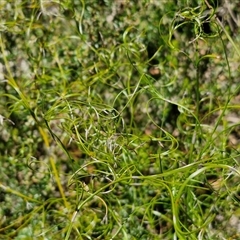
x: 119, y: 120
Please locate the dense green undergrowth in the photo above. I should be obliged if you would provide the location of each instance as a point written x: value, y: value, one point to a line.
x: 119, y: 120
